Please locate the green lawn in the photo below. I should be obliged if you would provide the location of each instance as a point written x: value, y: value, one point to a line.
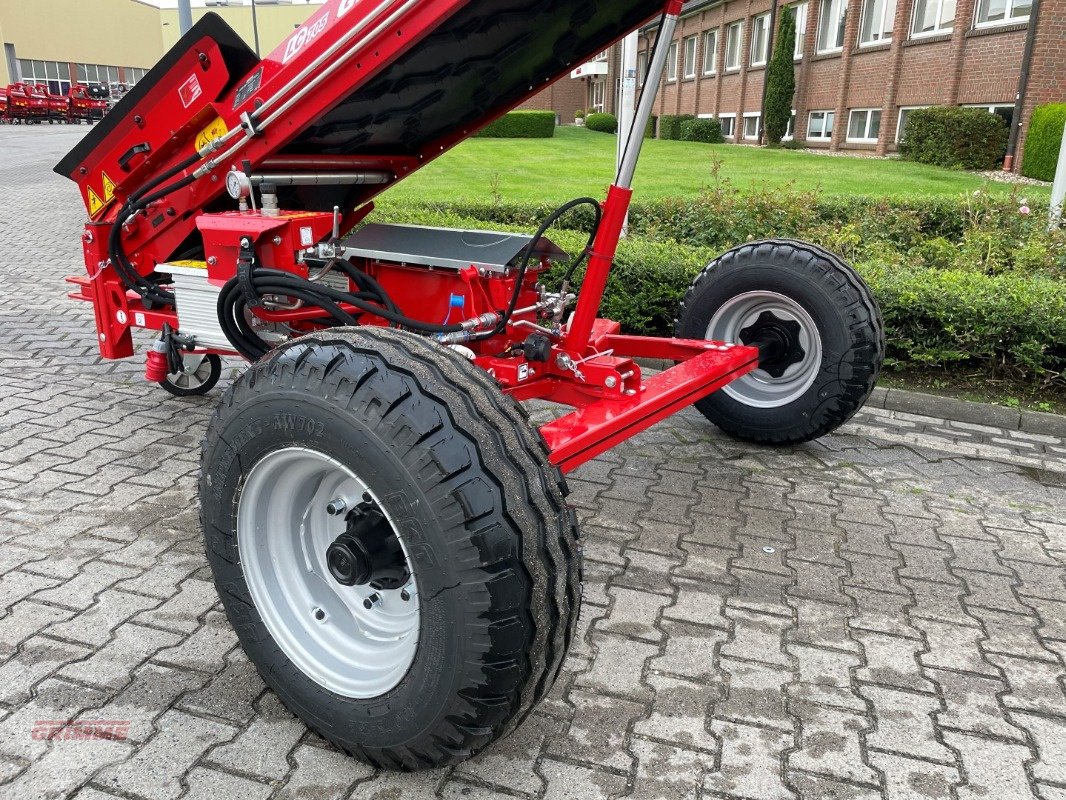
x: 579, y: 162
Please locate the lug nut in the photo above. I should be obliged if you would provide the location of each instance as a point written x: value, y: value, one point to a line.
x: 405, y: 595
x: 336, y: 508
x: 371, y: 601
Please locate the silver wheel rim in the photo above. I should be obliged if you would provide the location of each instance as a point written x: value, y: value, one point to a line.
x: 325, y: 628
x: 759, y: 389
x: 196, y: 371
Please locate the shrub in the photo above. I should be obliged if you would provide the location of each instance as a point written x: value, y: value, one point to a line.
x: 1043, y: 141
x: 960, y: 138
x: 579, y: 114
x: 781, y: 80
x: 522, y: 125
x: 793, y: 144
x: 670, y: 125
x: 708, y: 131
x: 603, y: 123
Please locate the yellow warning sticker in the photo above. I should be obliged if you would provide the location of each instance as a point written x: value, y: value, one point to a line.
x: 109, y: 189
x: 215, y: 130
x: 96, y: 205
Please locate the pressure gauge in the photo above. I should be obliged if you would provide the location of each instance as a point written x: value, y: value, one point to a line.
x: 238, y: 185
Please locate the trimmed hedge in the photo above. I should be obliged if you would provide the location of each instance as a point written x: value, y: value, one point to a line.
x: 602, y: 123
x: 670, y: 125
x: 522, y: 125
x: 1043, y: 141
x: 708, y: 131
x: 958, y: 138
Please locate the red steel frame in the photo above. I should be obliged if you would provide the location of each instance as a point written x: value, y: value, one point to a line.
x: 592, y: 366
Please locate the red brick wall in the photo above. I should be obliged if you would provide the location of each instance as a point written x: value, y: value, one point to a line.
x: 1047, y: 77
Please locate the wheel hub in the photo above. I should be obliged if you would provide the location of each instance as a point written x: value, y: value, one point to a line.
x: 778, y: 341
x: 368, y: 552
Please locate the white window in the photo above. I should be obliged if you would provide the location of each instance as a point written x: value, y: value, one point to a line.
x: 1002, y: 110
x: 800, y: 12
x: 831, y: 26
x: 53, y: 74
x: 642, y: 68
x: 1002, y: 12
x: 864, y: 125
x: 751, y: 126
x: 820, y: 126
x: 606, y: 54
x: 671, y: 63
x: 690, y: 57
x: 729, y: 125
x: 932, y: 17
x: 878, y: 19
x: 904, y: 112
x: 790, y: 131
x: 710, y: 53
x: 760, y: 40
x: 734, y: 34
x: 599, y: 94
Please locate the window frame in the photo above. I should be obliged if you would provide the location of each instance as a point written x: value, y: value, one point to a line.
x: 802, y: 12
x: 711, y: 51
x: 899, y: 119
x: 757, y: 21
x: 598, y: 87
x: 672, y: 55
x: 739, y: 28
x: 752, y: 115
x: 891, y: 20
x: 938, y: 31
x: 826, y: 114
x: 732, y: 119
x: 869, y: 112
x: 841, y: 26
x: 642, y: 67
x: 977, y: 24
x: 693, y: 43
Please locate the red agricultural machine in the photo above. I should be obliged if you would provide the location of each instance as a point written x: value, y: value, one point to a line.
x: 27, y: 104
x: 387, y: 530
x: 86, y: 104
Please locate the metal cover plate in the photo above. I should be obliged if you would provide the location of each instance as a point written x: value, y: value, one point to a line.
x: 447, y: 248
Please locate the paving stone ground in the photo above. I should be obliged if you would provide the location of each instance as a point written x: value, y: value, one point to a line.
x: 881, y: 614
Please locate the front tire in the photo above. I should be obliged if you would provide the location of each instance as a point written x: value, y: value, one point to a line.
x: 413, y: 431
x: 832, y: 341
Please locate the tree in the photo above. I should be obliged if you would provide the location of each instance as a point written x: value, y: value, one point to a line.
x: 781, y: 80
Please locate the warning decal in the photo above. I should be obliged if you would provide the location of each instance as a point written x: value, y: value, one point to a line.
x: 96, y: 205
x: 216, y: 130
x: 190, y: 91
x: 109, y: 189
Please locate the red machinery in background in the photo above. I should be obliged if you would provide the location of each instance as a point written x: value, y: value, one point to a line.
x: 27, y: 104
x: 387, y: 531
x: 58, y: 104
x: 84, y: 105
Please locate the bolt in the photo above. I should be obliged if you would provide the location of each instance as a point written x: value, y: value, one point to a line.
x: 277, y: 240
x: 611, y: 382
x: 371, y: 601
x: 319, y: 615
x: 212, y: 261
x: 337, y: 507
x: 630, y: 392
x: 405, y: 595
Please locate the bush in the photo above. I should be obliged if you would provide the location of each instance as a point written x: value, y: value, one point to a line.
x: 579, y: 114
x: 781, y: 80
x: 793, y: 144
x: 670, y: 125
x: 603, y: 123
x: 958, y: 138
x: 522, y: 125
x: 708, y: 131
x: 1043, y: 141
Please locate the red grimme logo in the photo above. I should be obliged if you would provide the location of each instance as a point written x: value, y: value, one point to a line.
x: 81, y: 730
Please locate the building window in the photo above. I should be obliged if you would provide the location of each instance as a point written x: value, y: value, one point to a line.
x: 932, y: 17
x: 820, y: 126
x: 864, y: 125
x: 710, y: 53
x: 760, y: 40
x: 751, y: 126
x: 800, y: 12
x: 901, y: 128
x: 690, y: 57
x: 1001, y: 110
x: 1000, y: 12
x: 734, y: 34
x: 642, y: 68
x: 671, y: 63
x: 831, y: 26
x: 878, y: 19
x: 790, y: 131
x: 606, y: 54
x: 729, y: 125
x: 53, y: 74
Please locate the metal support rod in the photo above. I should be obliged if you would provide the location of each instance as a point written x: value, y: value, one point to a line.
x: 1058, y: 188
x: 627, y: 98
x: 184, y: 16
x: 255, y: 28
x: 325, y: 179
x: 656, y: 70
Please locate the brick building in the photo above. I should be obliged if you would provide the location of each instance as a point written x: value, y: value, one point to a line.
x: 861, y: 65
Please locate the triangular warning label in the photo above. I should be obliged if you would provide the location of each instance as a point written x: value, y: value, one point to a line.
x: 96, y: 205
x: 109, y: 189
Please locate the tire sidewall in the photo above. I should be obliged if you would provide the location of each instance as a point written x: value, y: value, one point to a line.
x: 284, y: 419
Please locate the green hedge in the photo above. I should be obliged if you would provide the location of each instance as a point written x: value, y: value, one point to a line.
x: 708, y: 131
x: 1043, y: 141
x: 670, y: 125
x: 522, y: 125
x: 602, y: 123
x: 962, y: 138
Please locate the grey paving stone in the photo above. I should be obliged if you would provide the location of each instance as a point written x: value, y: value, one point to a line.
x: 320, y: 774
x: 750, y: 764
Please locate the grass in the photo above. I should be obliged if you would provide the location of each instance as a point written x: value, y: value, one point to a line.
x: 578, y: 162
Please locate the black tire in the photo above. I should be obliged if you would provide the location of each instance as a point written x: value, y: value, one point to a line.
x: 207, y: 383
x: 848, y: 323
x: 497, y: 560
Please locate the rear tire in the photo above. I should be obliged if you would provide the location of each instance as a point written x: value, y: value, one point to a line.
x: 466, y: 486
x: 825, y: 308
